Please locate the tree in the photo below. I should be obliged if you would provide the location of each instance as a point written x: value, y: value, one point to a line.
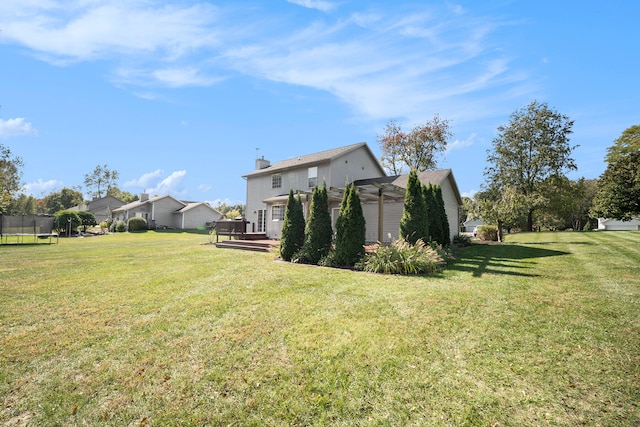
x: 417, y: 149
x: 22, y: 205
x: 414, y: 223
x: 318, y: 231
x: 628, y: 143
x: 63, y: 199
x: 66, y: 221
x: 533, y: 147
x: 121, y: 195
x: 466, y: 210
x: 100, y: 181
x: 292, y: 236
x: 504, y: 207
x: 618, y: 193
x: 434, y: 227
x: 618, y: 190
x: 350, y: 229
x: 441, y: 217
x: 224, y: 209
x: 570, y: 204
x: 87, y: 219
x: 10, y: 176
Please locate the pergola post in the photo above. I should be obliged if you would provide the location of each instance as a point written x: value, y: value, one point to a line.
x: 380, y: 214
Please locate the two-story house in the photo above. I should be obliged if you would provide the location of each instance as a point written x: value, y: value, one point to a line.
x: 382, y: 196
x: 268, y: 186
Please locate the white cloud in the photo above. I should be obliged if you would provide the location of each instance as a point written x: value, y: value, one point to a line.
x: 404, y: 65
x: 15, y: 127
x: 169, y: 185
x: 323, y: 6
x: 41, y: 188
x: 469, y: 193
x: 146, y: 180
x: 181, y: 77
x: 461, y: 144
x: 204, y: 187
x: 382, y: 63
x: 79, y: 30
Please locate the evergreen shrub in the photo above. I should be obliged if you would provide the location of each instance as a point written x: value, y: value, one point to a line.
x: 137, y: 224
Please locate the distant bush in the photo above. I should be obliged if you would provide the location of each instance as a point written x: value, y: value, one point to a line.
x: 488, y: 233
x: 120, y: 226
x: 461, y: 240
x: 401, y: 257
x: 137, y: 224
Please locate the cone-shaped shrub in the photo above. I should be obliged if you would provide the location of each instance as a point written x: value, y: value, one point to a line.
x: 350, y: 229
x: 434, y: 232
x: 413, y: 224
x: 318, y: 232
x: 442, y: 217
x: 292, y: 236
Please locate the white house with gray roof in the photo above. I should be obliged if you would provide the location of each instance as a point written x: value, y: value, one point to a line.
x: 168, y: 212
x: 382, y: 196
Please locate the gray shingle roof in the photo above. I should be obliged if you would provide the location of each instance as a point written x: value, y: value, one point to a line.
x: 309, y: 159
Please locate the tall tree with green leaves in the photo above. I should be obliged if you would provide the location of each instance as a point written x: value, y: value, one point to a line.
x: 618, y: 190
x: 505, y: 207
x: 533, y: 147
x: 414, y: 224
x: 10, y: 176
x: 350, y: 229
x: 292, y: 236
x: 318, y: 231
x: 100, y: 181
x: 417, y: 149
x: 22, y: 205
x: 62, y: 200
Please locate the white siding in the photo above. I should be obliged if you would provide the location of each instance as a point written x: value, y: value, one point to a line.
x: 198, y: 217
x: 451, y: 208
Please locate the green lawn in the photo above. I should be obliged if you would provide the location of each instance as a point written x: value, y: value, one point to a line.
x: 162, y: 329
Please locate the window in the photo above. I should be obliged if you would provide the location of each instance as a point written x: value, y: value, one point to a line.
x: 313, y: 176
x: 276, y: 180
x: 277, y: 212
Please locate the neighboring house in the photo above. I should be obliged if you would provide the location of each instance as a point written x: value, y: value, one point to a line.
x: 168, y: 212
x: 470, y: 224
x: 615, y: 224
x: 101, y: 208
x: 382, y: 196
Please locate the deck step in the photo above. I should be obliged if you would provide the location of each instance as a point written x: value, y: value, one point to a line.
x: 247, y: 245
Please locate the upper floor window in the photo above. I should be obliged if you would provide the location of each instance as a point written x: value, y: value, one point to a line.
x: 276, y: 180
x: 277, y: 212
x: 313, y: 176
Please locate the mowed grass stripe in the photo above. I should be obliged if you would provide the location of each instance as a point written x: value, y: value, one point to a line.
x: 161, y: 328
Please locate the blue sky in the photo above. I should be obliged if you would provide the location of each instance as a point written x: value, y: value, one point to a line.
x: 180, y: 97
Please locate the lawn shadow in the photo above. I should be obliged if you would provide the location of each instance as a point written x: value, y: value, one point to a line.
x: 507, y: 259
